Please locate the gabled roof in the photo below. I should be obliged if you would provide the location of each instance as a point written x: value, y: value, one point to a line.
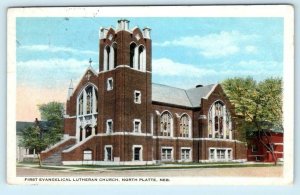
x: 89, y: 68
x: 170, y: 95
x: 195, y: 94
x: 176, y: 96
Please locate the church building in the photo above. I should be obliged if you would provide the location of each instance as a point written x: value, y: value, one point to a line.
x: 117, y: 116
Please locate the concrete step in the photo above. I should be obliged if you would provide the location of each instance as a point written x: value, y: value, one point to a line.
x: 55, y: 159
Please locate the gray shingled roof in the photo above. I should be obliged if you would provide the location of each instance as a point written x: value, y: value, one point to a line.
x: 172, y: 95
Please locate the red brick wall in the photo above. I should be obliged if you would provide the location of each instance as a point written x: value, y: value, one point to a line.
x: 122, y: 147
x: 58, y: 148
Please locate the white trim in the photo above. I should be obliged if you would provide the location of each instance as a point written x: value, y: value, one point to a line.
x: 139, y: 125
x: 68, y: 116
x: 108, y: 86
x: 190, y: 154
x: 139, y: 101
x: 190, y: 124
x: 216, y: 159
x: 84, y: 152
x: 171, y: 125
x: 78, y: 144
x: 235, y: 160
x: 105, y: 153
x: 109, y: 131
x: 278, y: 144
x: 88, y: 68
x: 140, y: 154
x: 197, y: 139
x: 172, y: 153
x: 109, y: 162
x: 58, y: 143
x: 123, y: 66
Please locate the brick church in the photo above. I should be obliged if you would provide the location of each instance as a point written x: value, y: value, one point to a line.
x: 118, y: 116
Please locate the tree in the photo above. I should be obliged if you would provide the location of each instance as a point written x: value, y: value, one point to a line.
x: 258, y: 105
x: 40, y: 136
x: 52, y: 112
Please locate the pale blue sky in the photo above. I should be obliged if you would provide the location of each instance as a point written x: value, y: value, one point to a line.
x: 185, y: 51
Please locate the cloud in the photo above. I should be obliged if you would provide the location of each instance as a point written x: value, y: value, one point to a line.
x: 215, y: 45
x: 169, y: 72
x: 167, y: 67
x: 55, y: 49
x: 54, y: 63
x: 250, y: 49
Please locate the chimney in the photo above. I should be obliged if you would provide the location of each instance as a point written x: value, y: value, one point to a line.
x: 123, y: 24
x: 102, y: 33
x: 146, y: 32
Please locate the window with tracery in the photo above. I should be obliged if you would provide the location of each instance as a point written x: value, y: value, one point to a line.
x: 165, y: 124
x: 87, y: 102
x: 219, y: 121
x: 132, y: 54
x: 184, y: 126
x: 137, y: 57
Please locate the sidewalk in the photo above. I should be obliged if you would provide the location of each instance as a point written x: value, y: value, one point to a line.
x: 143, y: 167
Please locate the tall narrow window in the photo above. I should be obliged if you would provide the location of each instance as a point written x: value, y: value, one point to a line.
x: 115, y: 54
x: 108, y: 153
x: 80, y: 112
x: 219, y: 121
x: 108, y: 57
x: 228, y: 124
x: 140, y: 57
x: 137, y: 153
x: 137, y: 97
x: 109, y: 84
x: 229, y: 155
x: 109, y: 126
x: 136, y: 125
x: 212, y: 154
x: 184, y: 126
x: 165, y: 124
x: 89, y: 97
x: 132, y: 54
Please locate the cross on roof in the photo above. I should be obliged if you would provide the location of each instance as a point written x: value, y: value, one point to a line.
x: 90, y: 61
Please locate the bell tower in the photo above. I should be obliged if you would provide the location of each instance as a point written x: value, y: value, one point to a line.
x: 125, y: 81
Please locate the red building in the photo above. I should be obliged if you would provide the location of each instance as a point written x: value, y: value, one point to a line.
x: 258, y: 147
x: 118, y: 116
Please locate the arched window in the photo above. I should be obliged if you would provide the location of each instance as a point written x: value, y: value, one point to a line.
x: 87, y: 102
x: 219, y: 121
x: 89, y: 98
x: 80, y: 108
x: 166, y: 124
x: 132, y: 54
x: 141, y: 58
x: 114, y: 57
x: 184, y: 126
x: 106, y: 57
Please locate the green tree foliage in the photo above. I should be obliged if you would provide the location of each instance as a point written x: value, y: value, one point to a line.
x: 39, y: 136
x: 258, y: 105
x: 31, y: 139
x: 52, y: 112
